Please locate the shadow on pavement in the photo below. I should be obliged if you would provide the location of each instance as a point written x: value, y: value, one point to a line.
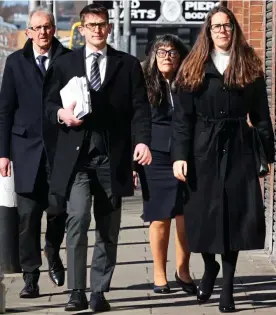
x: 120, y: 263
x: 119, y: 244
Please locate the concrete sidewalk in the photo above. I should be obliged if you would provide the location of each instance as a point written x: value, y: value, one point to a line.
x: 131, y: 292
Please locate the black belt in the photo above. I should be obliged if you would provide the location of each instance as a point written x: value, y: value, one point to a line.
x: 221, y: 125
x: 207, y: 119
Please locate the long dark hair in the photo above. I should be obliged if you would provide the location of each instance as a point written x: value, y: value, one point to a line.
x: 244, y: 65
x: 152, y: 74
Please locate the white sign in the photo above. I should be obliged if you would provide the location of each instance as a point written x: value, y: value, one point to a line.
x: 140, y: 11
x: 163, y: 11
x: 199, y: 5
x: 196, y: 11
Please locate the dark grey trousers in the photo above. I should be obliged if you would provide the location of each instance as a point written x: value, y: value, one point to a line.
x: 92, y: 179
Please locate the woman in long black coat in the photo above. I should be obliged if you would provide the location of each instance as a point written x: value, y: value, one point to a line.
x: 221, y: 84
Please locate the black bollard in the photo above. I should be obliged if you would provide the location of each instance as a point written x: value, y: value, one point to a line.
x: 9, y: 244
x: 9, y: 220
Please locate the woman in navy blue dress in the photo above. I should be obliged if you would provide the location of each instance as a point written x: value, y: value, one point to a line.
x: 163, y: 194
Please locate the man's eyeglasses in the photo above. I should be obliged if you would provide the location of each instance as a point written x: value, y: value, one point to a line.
x: 92, y: 26
x: 40, y: 28
x: 162, y: 53
x: 227, y: 27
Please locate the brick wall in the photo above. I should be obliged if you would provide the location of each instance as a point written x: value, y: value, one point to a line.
x: 250, y: 14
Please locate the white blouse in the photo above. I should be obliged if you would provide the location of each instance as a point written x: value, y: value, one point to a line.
x: 221, y: 60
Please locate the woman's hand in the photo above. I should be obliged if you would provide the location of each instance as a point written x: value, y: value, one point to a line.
x: 142, y: 154
x: 180, y: 170
x: 135, y: 179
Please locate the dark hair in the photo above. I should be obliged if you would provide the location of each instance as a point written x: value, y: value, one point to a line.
x: 152, y: 74
x: 244, y: 65
x: 94, y: 8
x: 148, y: 47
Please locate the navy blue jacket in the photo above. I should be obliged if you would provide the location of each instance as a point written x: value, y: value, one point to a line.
x: 161, y: 132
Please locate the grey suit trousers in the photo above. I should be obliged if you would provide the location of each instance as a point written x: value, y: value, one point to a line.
x: 92, y: 179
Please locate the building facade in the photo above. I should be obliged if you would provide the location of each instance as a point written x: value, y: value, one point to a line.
x: 270, y: 64
x: 8, y: 43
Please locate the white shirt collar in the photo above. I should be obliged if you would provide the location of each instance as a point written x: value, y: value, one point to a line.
x: 47, y: 54
x: 89, y: 52
x: 221, y: 54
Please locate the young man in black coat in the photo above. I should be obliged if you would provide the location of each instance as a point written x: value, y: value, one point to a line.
x: 21, y: 141
x: 95, y: 155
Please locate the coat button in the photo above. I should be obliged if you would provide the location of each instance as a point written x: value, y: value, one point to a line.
x: 77, y: 148
x: 222, y: 112
x: 224, y: 88
x: 223, y: 151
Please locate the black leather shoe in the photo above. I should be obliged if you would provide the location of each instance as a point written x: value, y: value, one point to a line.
x: 98, y: 303
x: 204, y: 296
x: 56, y: 270
x: 227, y: 309
x: 77, y: 301
x: 188, y: 287
x: 30, y: 291
x: 161, y: 289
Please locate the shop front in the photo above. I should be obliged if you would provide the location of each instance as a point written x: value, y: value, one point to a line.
x: 150, y: 19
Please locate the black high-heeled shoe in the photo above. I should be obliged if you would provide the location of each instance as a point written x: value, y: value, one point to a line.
x: 204, y: 296
x: 188, y: 287
x: 226, y: 301
x: 161, y: 289
x: 227, y: 309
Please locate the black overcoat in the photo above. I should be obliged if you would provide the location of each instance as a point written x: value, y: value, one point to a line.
x: 21, y: 114
x: 224, y: 209
x: 120, y: 107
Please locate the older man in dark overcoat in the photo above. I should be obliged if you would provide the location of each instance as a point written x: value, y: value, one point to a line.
x: 21, y: 141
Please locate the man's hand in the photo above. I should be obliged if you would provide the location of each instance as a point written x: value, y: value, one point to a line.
x: 269, y: 168
x: 135, y: 179
x: 5, y: 167
x: 67, y: 116
x: 142, y: 154
x: 180, y: 170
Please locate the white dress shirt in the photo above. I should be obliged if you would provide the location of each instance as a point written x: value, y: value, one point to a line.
x: 102, y: 60
x: 221, y: 60
x: 47, y: 54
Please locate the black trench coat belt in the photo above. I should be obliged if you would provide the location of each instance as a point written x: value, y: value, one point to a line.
x: 223, y: 124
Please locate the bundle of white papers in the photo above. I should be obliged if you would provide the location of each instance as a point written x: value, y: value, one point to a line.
x: 7, y: 194
x: 76, y: 90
